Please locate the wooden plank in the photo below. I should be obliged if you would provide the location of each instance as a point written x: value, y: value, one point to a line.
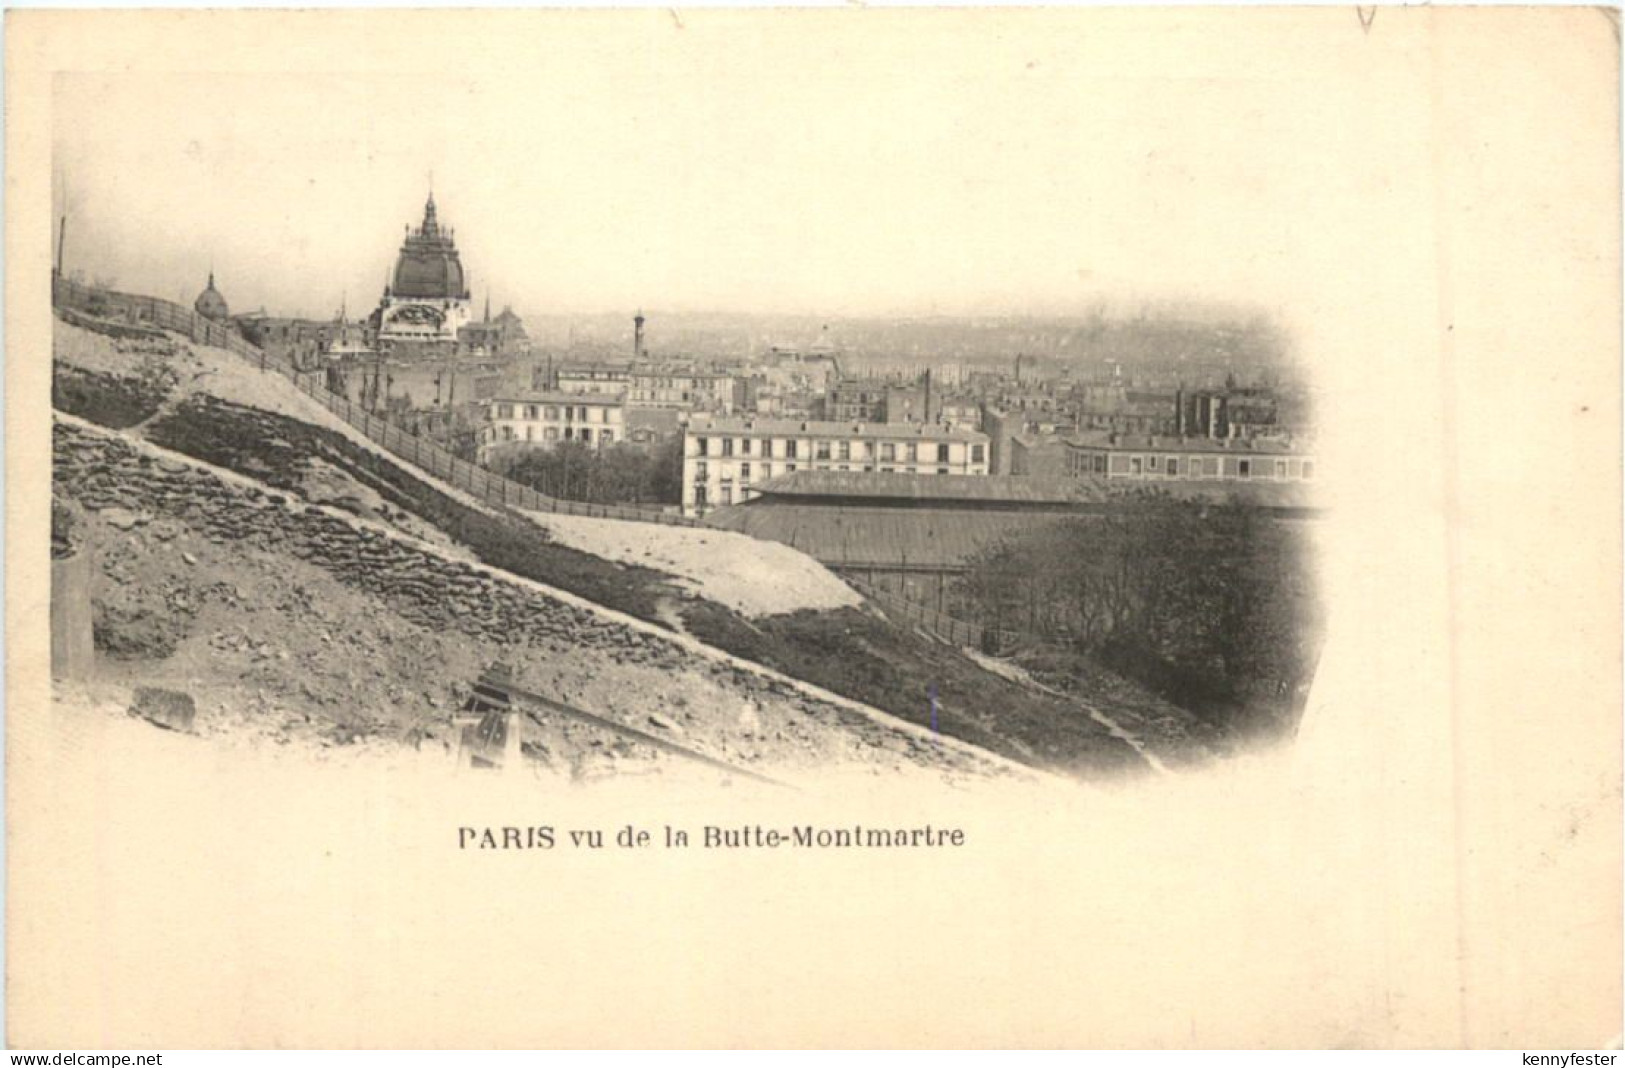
x: 514, y: 693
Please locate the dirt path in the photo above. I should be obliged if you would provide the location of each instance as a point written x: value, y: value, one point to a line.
x: 1113, y: 727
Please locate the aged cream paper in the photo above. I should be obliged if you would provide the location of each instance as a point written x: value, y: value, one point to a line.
x: 1435, y: 863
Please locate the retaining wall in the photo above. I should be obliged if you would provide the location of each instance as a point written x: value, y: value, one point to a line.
x: 102, y: 470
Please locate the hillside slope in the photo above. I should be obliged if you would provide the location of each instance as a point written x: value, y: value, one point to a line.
x: 292, y: 622
x: 849, y: 650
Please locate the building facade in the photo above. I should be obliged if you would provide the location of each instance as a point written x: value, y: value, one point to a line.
x: 652, y: 385
x: 593, y: 378
x: 656, y: 387
x: 543, y: 420
x: 724, y: 458
x: 1156, y: 458
x: 501, y: 336
x: 856, y: 400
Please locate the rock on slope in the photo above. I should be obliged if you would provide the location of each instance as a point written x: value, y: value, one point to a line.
x: 849, y: 650
x: 294, y: 621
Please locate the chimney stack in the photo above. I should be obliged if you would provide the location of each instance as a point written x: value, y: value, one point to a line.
x: 637, y: 335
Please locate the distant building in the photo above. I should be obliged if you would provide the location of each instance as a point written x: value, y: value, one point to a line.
x: 542, y: 420
x: 286, y: 332
x: 999, y: 426
x: 419, y: 385
x: 652, y: 385
x: 604, y: 378
x: 426, y: 302
x: 856, y: 400
x: 1228, y: 413
x: 1038, y: 455
x: 1123, y: 410
x: 1156, y: 458
x: 797, y: 368
x: 210, y: 304
x: 962, y: 412
x: 502, y: 336
x: 655, y: 386
x: 915, y: 535
x: 652, y: 427
x: 906, y: 404
x: 724, y: 458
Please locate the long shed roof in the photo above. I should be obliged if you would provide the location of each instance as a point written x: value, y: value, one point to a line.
x: 846, y: 528
x: 1018, y: 492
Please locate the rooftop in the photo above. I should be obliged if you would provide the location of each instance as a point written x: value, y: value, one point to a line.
x: 1102, y: 439
x: 577, y: 368
x: 1014, y: 489
x: 878, y: 537
x: 665, y: 420
x: 554, y: 397
x: 780, y: 427
x: 1016, y: 492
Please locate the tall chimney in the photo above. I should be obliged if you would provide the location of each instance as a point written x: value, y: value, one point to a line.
x: 637, y: 335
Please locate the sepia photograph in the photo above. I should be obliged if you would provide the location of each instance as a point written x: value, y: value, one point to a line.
x: 401, y: 448
x: 527, y: 491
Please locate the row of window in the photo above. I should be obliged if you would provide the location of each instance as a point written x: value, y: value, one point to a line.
x: 553, y: 433
x: 1192, y: 467
x: 574, y: 383
x: 552, y: 413
x: 702, y: 470
x: 910, y: 451
x: 711, y: 384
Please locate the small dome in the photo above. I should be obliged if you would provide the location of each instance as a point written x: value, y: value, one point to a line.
x: 210, y: 304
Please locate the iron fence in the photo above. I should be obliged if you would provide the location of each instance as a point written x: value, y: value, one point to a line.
x: 423, y: 453
x: 948, y: 628
x: 430, y: 456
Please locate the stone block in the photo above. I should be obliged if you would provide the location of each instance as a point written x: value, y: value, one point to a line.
x: 170, y: 709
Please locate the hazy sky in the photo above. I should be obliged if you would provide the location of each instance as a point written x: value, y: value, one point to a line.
x: 824, y: 162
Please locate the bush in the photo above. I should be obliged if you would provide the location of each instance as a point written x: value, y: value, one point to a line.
x: 1209, y: 606
x: 617, y: 474
x: 115, y: 401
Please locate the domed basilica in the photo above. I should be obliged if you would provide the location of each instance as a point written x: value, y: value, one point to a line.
x: 426, y: 301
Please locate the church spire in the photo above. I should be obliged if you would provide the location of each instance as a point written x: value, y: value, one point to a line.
x: 431, y: 227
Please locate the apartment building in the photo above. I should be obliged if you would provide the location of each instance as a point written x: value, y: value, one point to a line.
x: 725, y: 457
x: 1104, y: 455
x: 542, y: 420
x: 593, y: 378
x: 654, y: 387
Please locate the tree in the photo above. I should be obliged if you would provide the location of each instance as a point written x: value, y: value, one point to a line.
x: 1201, y: 600
x: 609, y: 474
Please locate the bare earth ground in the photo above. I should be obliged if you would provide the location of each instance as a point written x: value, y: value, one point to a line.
x: 276, y: 650
x: 753, y: 577
x: 295, y: 657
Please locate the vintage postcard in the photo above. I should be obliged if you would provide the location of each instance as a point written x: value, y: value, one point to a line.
x: 911, y: 528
